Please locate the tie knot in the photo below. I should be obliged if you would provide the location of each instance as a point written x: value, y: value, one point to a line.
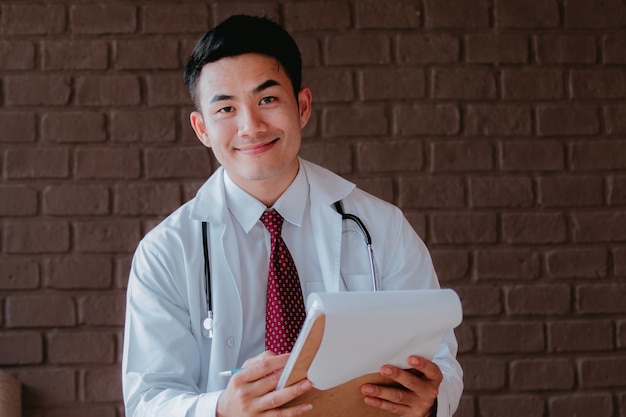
x: 273, y: 221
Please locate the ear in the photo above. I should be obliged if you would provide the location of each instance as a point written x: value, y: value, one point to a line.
x: 197, y: 123
x: 304, y: 105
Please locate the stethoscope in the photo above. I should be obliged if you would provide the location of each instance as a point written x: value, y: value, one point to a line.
x: 208, y: 321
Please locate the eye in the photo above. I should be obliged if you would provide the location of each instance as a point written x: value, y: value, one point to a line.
x: 268, y: 100
x: 227, y: 109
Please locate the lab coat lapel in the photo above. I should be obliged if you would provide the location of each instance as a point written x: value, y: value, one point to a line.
x: 325, y: 189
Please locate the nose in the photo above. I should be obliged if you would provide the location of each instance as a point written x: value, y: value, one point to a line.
x: 251, y: 123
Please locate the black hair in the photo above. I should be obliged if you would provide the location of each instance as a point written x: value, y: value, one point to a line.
x: 241, y: 34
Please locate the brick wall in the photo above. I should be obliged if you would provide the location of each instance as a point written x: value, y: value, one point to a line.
x: 498, y: 126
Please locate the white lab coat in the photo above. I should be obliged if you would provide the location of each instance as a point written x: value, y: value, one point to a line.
x: 170, y: 365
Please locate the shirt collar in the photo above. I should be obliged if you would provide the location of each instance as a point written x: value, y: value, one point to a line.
x: 247, y: 210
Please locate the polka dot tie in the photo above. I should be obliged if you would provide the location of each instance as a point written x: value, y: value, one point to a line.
x: 285, y: 305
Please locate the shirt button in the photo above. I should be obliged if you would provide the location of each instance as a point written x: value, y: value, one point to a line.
x: 230, y: 342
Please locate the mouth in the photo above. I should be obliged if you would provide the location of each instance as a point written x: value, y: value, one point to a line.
x: 257, y: 148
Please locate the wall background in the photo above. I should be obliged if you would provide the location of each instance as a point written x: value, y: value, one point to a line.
x: 498, y: 126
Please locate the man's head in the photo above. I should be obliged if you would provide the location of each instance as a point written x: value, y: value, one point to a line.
x: 240, y: 35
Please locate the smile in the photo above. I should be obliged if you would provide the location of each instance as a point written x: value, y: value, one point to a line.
x: 257, y: 148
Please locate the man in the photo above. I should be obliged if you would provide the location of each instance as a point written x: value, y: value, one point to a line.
x: 244, y: 77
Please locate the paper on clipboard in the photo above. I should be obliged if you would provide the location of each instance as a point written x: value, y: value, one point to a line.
x: 364, y: 330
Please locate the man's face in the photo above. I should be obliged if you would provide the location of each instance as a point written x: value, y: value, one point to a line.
x: 251, y: 120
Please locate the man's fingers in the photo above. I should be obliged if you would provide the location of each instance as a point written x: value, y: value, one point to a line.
x: 280, y: 397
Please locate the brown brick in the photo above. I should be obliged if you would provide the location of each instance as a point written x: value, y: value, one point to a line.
x: 75, y: 55
x: 80, y: 411
x: 108, y: 90
x: 480, y: 300
x: 532, y: 84
x: 577, y: 263
x: 107, y: 163
x: 103, y: 384
x: 621, y: 334
x: 517, y: 405
x: 17, y: 201
x: 381, y: 187
x: 37, y: 90
x: 47, y: 386
x: 390, y: 14
x: 456, y: 14
x: 18, y: 274
x: 106, y: 236
x: 175, y: 18
x: 32, y: 19
x: 451, y: 265
x: 601, y: 299
x: 334, y: 156
x: 328, y: 85
x: 484, y: 373
x: 96, y: 272
x: 310, y: 49
x: 36, y: 236
x: 390, y: 156
x: 140, y: 54
x: 426, y: 119
x: 506, y: 264
x: 223, y: 10
x: 619, y: 261
x: 501, y: 191
x: 387, y: 84
x: 599, y: 226
x: 532, y: 156
x: 614, y: 47
x: 453, y: 228
x: 593, y: 155
x: 605, y: 372
x: 538, y: 300
x: 73, y: 127
x: 499, y: 120
x: 597, y: 83
x: 509, y: 48
x: 183, y: 162
x: 104, y: 309
x: 510, y: 337
x: 616, y: 190
x: 542, y: 374
x: 565, y: 48
x: 94, y: 348
x: 435, y: 192
x: 461, y: 156
x: 526, y: 14
x: 99, y: 19
x: 37, y: 163
x: 580, y: 336
x: 417, y: 220
x: 535, y: 228
x: 597, y: 404
x: 561, y: 120
x: 362, y: 49
x: 17, y: 127
x: 467, y: 83
x: 17, y: 55
x: 143, y: 125
x: 584, y: 14
x: 167, y: 88
x: 571, y: 191
x: 76, y: 199
x: 615, y: 117
x: 42, y: 310
x: 146, y: 199
x: 20, y: 348
x: 317, y: 15
x: 465, y: 337
x: 364, y: 120
x: 466, y: 406
x: 435, y: 48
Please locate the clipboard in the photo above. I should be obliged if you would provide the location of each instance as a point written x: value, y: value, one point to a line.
x: 333, y: 315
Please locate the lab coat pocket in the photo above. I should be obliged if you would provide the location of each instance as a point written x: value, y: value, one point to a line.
x: 358, y: 282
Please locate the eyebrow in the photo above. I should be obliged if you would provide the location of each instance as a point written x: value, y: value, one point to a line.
x: 263, y: 86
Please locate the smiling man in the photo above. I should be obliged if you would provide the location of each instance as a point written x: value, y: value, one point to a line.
x: 220, y: 283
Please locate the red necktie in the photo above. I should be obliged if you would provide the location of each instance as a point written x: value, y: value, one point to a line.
x: 285, y: 306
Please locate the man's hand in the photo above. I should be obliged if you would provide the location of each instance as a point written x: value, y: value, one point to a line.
x: 251, y: 391
x: 418, y: 397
